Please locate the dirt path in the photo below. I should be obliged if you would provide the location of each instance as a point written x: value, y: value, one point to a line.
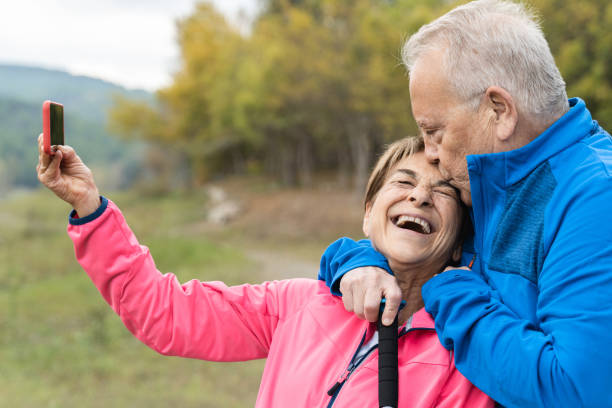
x: 280, y: 230
x: 275, y: 265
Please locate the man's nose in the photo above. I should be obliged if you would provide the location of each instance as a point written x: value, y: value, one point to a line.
x: 420, y: 196
x: 431, y: 152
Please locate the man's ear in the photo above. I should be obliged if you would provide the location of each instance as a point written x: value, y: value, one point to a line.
x: 504, y: 112
x: 366, y: 219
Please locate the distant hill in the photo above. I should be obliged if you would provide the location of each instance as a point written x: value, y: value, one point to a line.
x: 88, y: 97
x: 86, y: 102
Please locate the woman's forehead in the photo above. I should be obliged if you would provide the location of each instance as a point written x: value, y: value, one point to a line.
x: 417, y: 166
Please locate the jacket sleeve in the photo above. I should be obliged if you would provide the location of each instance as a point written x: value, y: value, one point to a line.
x: 205, y: 320
x: 345, y: 255
x: 459, y: 392
x: 562, y: 361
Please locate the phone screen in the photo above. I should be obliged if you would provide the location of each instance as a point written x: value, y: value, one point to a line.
x: 56, y: 116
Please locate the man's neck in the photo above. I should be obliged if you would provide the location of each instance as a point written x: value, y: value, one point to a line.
x: 527, y: 130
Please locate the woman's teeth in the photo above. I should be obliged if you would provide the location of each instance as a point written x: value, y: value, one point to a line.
x: 413, y: 223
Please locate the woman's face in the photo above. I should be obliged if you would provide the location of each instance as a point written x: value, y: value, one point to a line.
x: 415, y: 218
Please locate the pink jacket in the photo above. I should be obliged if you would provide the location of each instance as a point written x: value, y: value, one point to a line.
x: 303, y: 331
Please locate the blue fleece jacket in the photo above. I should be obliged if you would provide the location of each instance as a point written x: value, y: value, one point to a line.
x: 531, y: 322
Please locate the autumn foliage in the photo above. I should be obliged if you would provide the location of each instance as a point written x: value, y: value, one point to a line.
x: 318, y: 85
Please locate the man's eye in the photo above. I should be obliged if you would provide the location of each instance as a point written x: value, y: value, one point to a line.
x: 434, y: 135
x: 406, y: 182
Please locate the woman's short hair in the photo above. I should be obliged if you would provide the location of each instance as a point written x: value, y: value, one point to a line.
x: 394, y: 153
x: 494, y: 42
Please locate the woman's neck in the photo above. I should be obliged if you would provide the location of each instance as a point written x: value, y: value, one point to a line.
x: 410, y: 280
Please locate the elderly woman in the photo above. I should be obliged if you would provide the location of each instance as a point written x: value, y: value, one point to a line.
x: 318, y: 354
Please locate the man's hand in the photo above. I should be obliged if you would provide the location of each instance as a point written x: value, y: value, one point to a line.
x: 68, y: 177
x: 362, y: 290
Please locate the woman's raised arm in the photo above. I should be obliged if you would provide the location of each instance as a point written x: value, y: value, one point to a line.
x: 68, y: 177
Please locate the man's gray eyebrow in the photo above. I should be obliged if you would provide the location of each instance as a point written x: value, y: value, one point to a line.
x: 424, y: 123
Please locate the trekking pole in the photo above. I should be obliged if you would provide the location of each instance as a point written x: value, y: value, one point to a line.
x: 387, y: 362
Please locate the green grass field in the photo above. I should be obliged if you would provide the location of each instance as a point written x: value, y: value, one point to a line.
x: 62, y: 346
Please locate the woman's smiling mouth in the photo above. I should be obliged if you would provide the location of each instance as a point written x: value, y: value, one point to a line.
x: 412, y: 223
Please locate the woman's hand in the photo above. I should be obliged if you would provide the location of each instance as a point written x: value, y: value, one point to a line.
x: 68, y: 177
x: 362, y: 290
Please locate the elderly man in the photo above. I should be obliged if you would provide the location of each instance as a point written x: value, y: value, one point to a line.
x: 530, y: 319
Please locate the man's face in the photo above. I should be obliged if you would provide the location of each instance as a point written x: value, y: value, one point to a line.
x: 451, y: 128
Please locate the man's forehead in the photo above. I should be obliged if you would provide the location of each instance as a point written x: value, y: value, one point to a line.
x: 427, y: 69
x: 426, y: 115
x: 431, y: 103
x: 427, y: 101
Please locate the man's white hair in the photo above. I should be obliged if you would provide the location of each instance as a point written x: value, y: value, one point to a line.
x: 494, y: 42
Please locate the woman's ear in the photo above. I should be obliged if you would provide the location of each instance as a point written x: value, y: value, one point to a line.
x: 504, y: 112
x: 456, y: 255
x: 366, y: 219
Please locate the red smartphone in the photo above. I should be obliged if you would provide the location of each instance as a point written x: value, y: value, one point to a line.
x: 53, y: 125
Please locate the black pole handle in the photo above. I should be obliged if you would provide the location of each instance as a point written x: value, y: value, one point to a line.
x: 387, y: 363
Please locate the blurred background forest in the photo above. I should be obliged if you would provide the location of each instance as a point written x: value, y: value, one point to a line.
x: 286, y: 115
x: 310, y: 87
x: 318, y: 86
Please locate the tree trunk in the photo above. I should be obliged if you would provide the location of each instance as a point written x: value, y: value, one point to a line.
x: 288, y: 174
x: 304, y: 156
x: 238, y: 161
x: 343, y: 163
x: 360, y: 147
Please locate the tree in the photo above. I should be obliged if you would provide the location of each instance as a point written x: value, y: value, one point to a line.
x: 581, y: 41
x: 318, y: 85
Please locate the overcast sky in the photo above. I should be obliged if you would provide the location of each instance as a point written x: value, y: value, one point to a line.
x: 130, y: 42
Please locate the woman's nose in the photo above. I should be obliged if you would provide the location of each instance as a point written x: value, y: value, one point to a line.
x: 420, y: 196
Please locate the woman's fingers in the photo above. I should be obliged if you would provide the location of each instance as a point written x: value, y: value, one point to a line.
x: 53, y: 169
x: 347, y: 300
x: 67, y: 176
x: 69, y: 153
x: 371, y: 304
x: 49, y: 174
x: 358, y: 298
x: 393, y: 299
x: 43, y: 158
x: 362, y: 290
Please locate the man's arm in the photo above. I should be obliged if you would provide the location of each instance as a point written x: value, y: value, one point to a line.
x: 564, y: 360
x: 345, y: 255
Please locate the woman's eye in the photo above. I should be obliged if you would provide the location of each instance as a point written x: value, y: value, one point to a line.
x: 406, y: 182
x: 446, y: 192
